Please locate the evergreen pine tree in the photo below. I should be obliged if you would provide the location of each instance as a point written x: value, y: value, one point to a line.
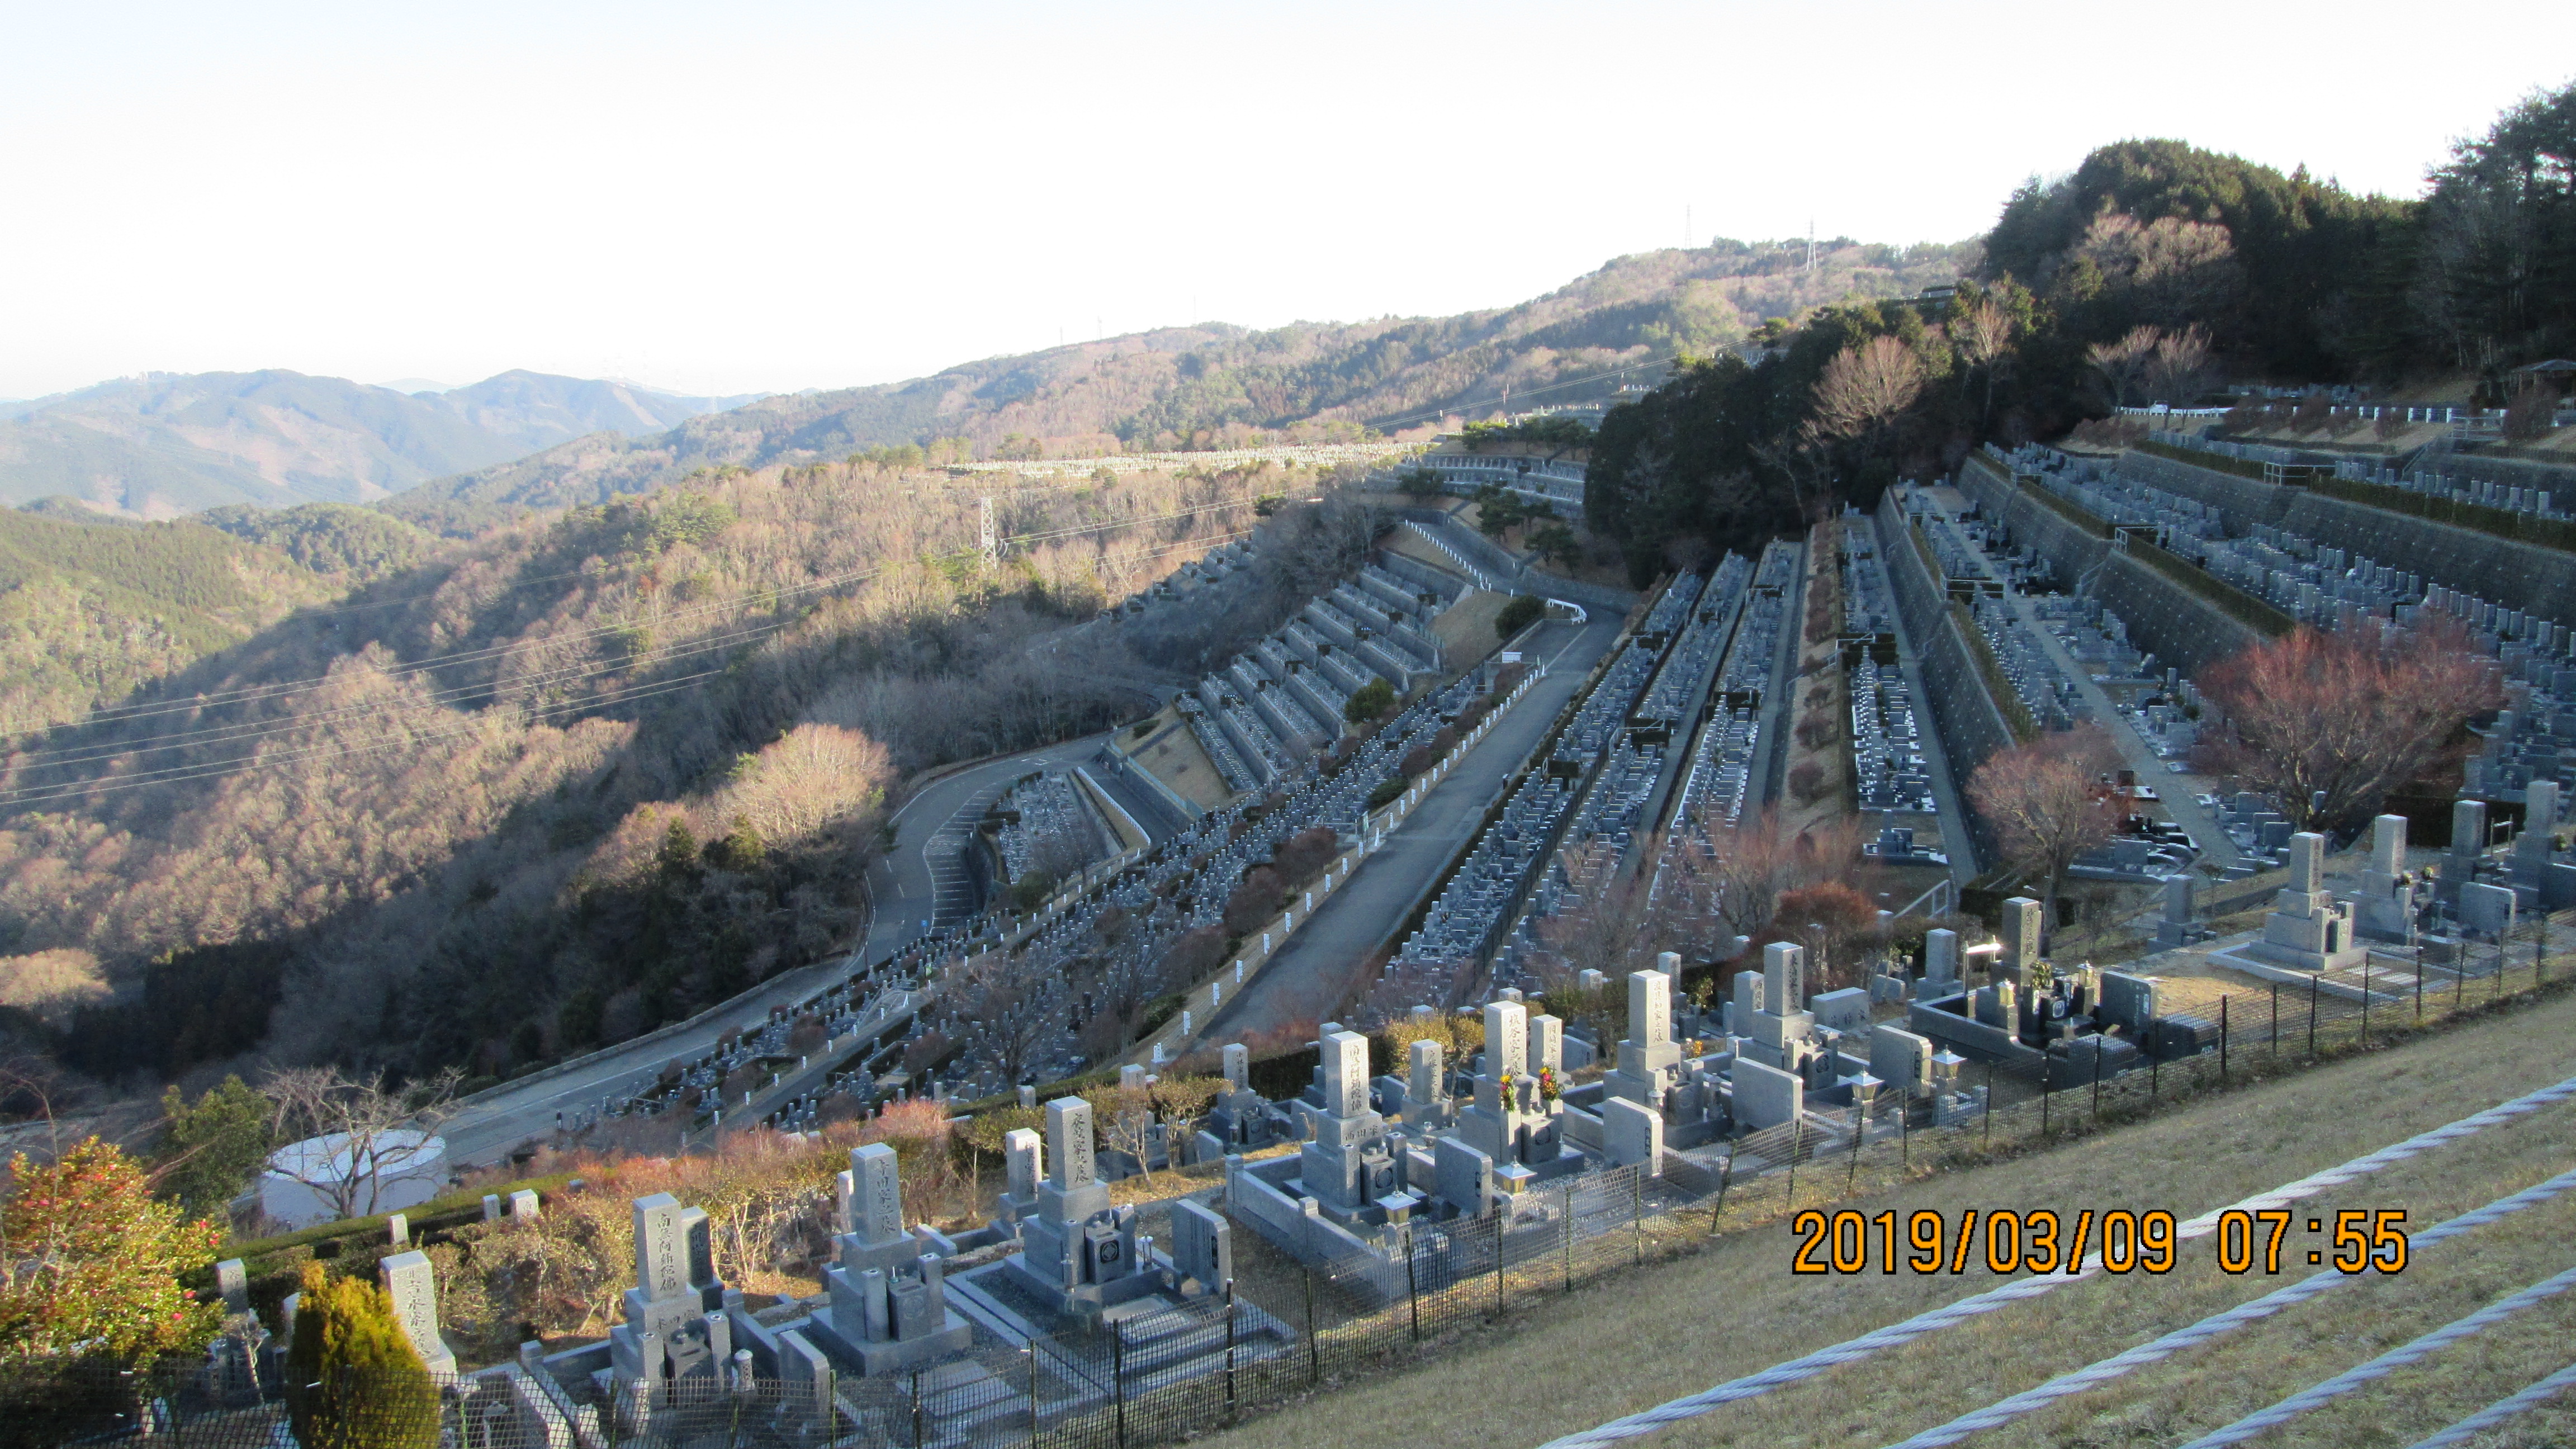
x: 354, y: 1381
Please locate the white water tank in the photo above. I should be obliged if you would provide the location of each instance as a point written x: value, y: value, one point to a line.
x: 399, y: 1169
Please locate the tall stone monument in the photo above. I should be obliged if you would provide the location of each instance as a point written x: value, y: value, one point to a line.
x: 1349, y: 1164
x: 1649, y: 1058
x: 2308, y: 930
x: 2386, y: 906
x: 1078, y: 1254
x: 889, y: 1308
x: 678, y: 1315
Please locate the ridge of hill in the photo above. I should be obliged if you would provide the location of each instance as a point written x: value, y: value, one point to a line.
x: 1217, y: 385
x: 166, y: 444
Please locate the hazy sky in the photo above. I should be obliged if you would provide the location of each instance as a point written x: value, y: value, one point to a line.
x: 728, y: 198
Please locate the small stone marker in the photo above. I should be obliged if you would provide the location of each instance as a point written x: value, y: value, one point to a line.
x: 1506, y: 1040
x: 1547, y: 1044
x: 398, y: 1230
x: 2022, y: 924
x: 413, y: 1285
x: 1202, y: 1244
x: 491, y: 1207
x: 661, y: 1248
x: 523, y: 1205
x: 1024, y: 1153
x: 1632, y: 1135
x: 232, y: 1284
x: 1238, y: 1066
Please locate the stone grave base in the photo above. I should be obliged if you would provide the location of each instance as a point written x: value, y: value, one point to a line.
x: 896, y: 1356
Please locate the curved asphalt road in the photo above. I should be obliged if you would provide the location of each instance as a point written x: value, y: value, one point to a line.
x: 922, y: 878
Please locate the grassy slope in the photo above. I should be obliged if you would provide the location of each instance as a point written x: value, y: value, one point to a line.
x: 1628, y: 1341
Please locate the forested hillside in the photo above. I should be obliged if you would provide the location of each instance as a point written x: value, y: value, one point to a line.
x: 166, y: 444
x: 589, y: 772
x: 2153, y: 273
x: 1218, y: 386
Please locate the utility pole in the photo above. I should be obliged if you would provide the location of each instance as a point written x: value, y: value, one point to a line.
x: 1811, y: 243
x: 990, y: 546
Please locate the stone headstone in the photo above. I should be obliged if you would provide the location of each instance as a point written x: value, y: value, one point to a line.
x: 491, y: 1207
x: 1202, y: 1244
x: 1346, y: 1074
x: 398, y: 1230
x: 1940, y: 958
x: 2023, y: 921
x: 1547, y: 1044
x: 2388, y: 844
x: 1238, y: 1066
x: 1748, y: 1000
x: 1131, y: 1078
x: 1650, y: 1007
x: 1422, y: 1085
x: 1766, y: 1096
x: 1902, y: 1058
x: 1068, y: 1144
x: 232, y: 1284
x: 1669, y: 963
x: 2130, y: 1001
x: 1844, y: 1010
x: 1784, y: 977
x: 2307, y: 862
x: 1506, y: 1040
x: 876, y: 1193
x: 1024, y: 1153
x: 2486, y: 909
x: 661, y: 1247
x: 1463, y: 1176
x: 1590, y: 980
x: 413, y: 1286
x: 1028, y: 1096
x: 1632, y: 1135
x: 523, y: 1205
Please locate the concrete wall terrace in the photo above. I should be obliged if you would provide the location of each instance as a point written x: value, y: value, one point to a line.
x: 2164, y: 617
x: 2517, y: 575
x: 1972, y: 725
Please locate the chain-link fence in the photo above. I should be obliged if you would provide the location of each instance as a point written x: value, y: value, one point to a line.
x: 1161, y: 1376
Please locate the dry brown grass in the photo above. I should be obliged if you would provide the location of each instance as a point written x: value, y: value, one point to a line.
x: 1627, y: 1341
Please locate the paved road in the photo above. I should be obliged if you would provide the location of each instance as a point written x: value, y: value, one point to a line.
x: 921, y: 878
x: 1319, y: 966
x: 2173, y: 791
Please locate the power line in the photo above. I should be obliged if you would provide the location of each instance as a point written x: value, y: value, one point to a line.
x: 253, y: 731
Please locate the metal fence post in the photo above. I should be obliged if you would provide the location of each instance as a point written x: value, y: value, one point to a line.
x: 1314, y: 1351
x: 1033, y: 1395
x: 1569, y: 1235
x: 1724, y: 1177
x: 1118, y: 1376
x: 2366, y: 994
x: 2222, y: 1037
x: 1637, y: 1212
x: 1230, y: 1409
x: 1412, y: 1293
x: 2317, y: 983
x: 1860, y: 1129
x: 2460, y: 975
x: 1989, y: 1129
x: 2044, y: 1095
x: 1797, y: 1140
x: 917, y: 1440
x: 2276, y: 1018
x: 2097, y: 1079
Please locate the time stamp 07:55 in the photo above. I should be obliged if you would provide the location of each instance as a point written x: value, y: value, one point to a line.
x: 2045, y: 1240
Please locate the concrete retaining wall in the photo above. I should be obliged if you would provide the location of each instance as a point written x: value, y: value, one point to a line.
x: 2516, y: 575
x: 2165, y: 618
x: 1972, y: 725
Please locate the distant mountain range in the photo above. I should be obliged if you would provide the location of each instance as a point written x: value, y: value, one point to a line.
x: 1215, y: 385
x: 166, y: 444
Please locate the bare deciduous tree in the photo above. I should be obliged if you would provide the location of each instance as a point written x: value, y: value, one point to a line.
x: 366, y: 1122
x: 2122, y: 362
x: 1865, y: 388
x: 2046, y: 803
x: 2329, y: 723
